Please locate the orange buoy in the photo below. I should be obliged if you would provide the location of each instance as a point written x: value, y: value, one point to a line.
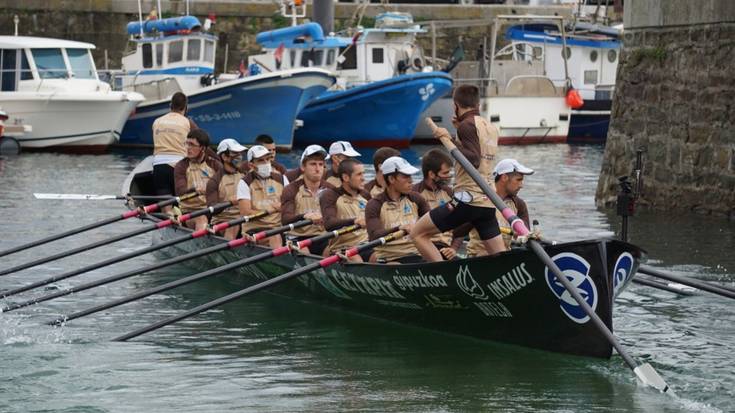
x: 574, y: 99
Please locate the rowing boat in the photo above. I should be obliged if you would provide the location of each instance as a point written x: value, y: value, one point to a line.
x: 512, y: 297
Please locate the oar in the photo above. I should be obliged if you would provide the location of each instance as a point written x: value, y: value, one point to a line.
x: 323, y: 263
x: 662, y: 286
x: 644, y: 371
x: 691, y: 282
x: 132, y: 213
x: 95, y: 197
x: 107, y: 280
x: 196, y: 277
x: 214, y: 210
x: 88, y: 247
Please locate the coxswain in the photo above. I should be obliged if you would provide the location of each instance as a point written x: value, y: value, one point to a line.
x: 339, y: 151
x: 223, y: 185
x: 377, y: 185
x: 169, y: 145
x: 477, y: 139
x: 345, y: 205
x: 195, y: 171
x: 260, y: 190
x: 396, y: 207
x: 436, y: 167
x: 300, y: 199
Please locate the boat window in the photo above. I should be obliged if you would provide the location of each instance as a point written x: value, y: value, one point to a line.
x: 159, y: 54
x: 8, y: 60
x: 612, y: 54
x: 350, y: 55
x: 330, y: 57
x: 194, y: 49
x: 81, y: 63
x: 593, y: 56
x: 147, y: 50
x: 306, y: 58
x: 538, y: 53
x: 566, y: 53
x: 25, y: 68
x: 208, y: 51
x: 292, y: 53
x: 378, y: 55
x: 175, y: 51
x: 318, y: 56
x: 590, y: 77
x: 50, y: 63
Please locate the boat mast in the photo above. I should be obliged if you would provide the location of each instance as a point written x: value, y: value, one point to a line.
x: 293, y: 5
x: 140, y: 18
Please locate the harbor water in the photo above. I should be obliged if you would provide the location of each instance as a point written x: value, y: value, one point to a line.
x: 267, y: 353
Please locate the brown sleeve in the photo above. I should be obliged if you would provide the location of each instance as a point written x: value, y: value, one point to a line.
x: 280, y: 168
x: 523, y: 212
x: 328, y: 206
x: 293, y: 174
x: 213, y: 189
x: 420, y: 202
x: 181, y: 185
x: 288, y: 203
x: 214, y: 163
x: 469, y: 142
x: 375, y: 228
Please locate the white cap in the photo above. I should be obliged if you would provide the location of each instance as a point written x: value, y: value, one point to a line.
x: 230, y: 145
x: 311, y: 150
x: 256, y: 152
x: 343, y: 148
x: 507, y: 166
x: 397, y: 164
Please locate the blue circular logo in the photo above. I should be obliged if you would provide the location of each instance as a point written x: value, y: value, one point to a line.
x: 576, y: 269
x: 622, y: 271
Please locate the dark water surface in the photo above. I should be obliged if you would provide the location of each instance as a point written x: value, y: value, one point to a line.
x: 264, y: 353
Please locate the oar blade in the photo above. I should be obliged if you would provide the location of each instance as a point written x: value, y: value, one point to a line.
x: 650, y: 377
x: 83, y: 197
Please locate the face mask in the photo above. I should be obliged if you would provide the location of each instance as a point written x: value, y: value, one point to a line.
x: 264, y: 170
x: 236, y: 162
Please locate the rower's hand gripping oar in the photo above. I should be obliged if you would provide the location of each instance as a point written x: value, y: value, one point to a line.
x: 644, y: 371
x: 132, y: 213
x: 219, y: 270
x: 213, y: 210
x: 323, y: 263
x: 159, y: 225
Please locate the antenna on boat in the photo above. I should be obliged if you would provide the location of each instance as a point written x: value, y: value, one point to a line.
x: 187, y: 7
x: 16, y: 20
x: 140, y: 18
x: 160, y: 10
x: 293, y: 6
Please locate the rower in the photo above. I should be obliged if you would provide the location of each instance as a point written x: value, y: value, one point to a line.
x: 436, y: 167
x: 339, y: 151
x: 377, y: 184
x: 169, y: 145
x: 398, y: 206
x: 260, y: 190
x: 477, y: 139
x: 508, y: 176
x: 223, y: 185
x: 195, y: 171
x: 345, y: 205
x: 300, y: 199
x: 267, y: 142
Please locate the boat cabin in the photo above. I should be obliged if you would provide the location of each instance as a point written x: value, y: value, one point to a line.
x: 36, y: 64
x: 169, y: 55
x: 373, y: 54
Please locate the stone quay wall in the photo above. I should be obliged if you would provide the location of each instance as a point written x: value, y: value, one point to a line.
x: 103, y: 23
x: 675, y: 98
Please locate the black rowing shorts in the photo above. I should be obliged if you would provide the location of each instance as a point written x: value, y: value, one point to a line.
x: 448, y: 217
x: 163, y: 179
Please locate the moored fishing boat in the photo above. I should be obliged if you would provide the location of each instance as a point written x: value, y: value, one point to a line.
x: 512, y: 297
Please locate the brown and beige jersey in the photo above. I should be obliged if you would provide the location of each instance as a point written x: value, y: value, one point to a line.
x: 340, y: 208
x: 263, y: 193
x: 383, y: 214
x: 477, y: 139
x: 296, y: 201
x: 169, y: 134
x: 332, y: 178
x: 518, y: 205
x: 373, y: 188
x: 188, y: 174
x: 222, y: 188
x: 436, y: 198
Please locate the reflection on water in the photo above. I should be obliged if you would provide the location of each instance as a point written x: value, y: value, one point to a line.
x: 266, y: 353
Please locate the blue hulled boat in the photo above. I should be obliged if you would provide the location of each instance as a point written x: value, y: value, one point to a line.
x: 175, y: 54
x: 383, y: 84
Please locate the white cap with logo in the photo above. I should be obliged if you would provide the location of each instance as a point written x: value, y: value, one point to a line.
x: 230, y: 145
x: 507, y: 166
x: 397, y: 164
x: 311, y: 150
x: 257, y: 151
x: 343, y: 148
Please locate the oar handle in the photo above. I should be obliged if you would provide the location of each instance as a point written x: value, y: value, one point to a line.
x: 327, y: 235
x: 237, y: 221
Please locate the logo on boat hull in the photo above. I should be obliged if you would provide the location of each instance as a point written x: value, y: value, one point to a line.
x: 576, y: 269
x: 622, y: 271
x: 468, y: 285
x: 427, y: 91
